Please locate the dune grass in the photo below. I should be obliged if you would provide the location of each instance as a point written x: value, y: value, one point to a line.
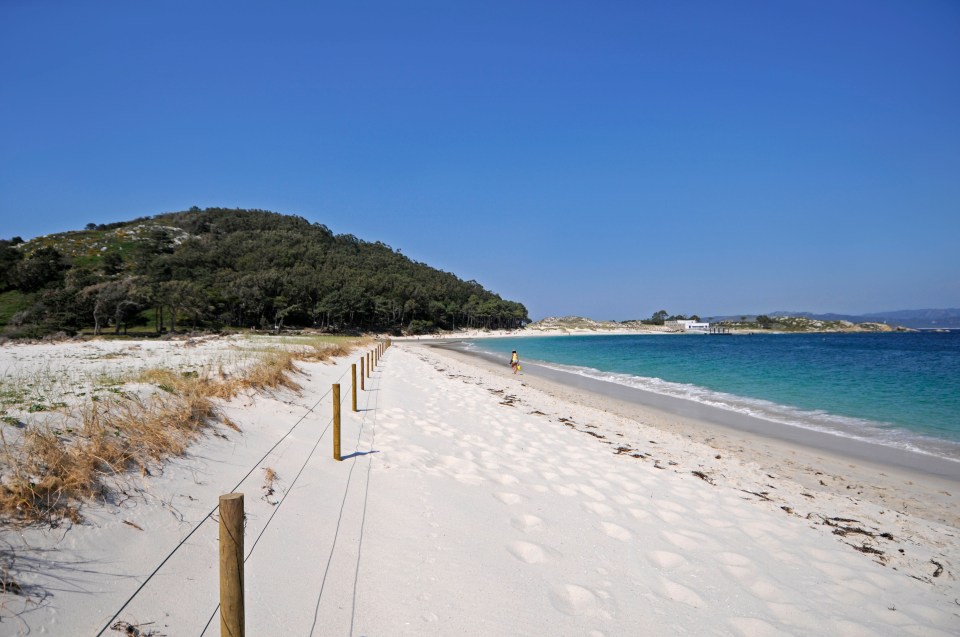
x: 50, y: 469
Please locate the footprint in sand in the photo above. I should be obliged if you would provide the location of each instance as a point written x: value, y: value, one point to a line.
x: 616, y: 531
x: 797, y: 616
x: 740, y: 566
x: 669, y: 517
x: 600, y: 484
x: 592, y: 493
x: 930, y: 614
x: 680, y: 541
x: 508, y: 498
x: 835, y: 571
x: 456, y: 465
x: 599, y: 508
x: 679, y: 593
x: 717, y: 523
x: 530, y: 553
x: 849, y: 628
x: 667, y: 505
x: 666, y: 560
x: 624, y: 484
x: 765, y: 589
x: 753, y: 627
x: 863, y: 587
x: 527, y: 523
x: 571, y: 599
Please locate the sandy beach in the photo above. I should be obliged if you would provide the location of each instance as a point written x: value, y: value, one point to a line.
x: 472, y: 501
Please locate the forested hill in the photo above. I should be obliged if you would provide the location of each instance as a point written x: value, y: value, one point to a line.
x: 214, y: 268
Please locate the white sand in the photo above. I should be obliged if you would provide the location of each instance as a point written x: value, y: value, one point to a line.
x: 479, y: 504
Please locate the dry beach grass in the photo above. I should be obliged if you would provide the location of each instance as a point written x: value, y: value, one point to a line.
x: 51, y: 466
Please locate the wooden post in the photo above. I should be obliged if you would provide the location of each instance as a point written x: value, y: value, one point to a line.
x: 368, y: 365
x: 231, y: 565
x: 353, y: 386
x: 361, y: 373
x: 336, y: 421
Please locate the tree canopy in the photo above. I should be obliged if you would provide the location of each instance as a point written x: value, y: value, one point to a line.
x: 208, y: 269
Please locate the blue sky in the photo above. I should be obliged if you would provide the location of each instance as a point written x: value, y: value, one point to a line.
x: 606, y: 159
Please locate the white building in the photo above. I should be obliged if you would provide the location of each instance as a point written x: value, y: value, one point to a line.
x: 688, y: 325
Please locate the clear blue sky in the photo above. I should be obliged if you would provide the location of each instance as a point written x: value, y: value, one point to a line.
x: 606, y: 159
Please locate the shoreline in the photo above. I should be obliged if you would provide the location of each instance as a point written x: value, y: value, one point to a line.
x: 909, y: 449
x: 814, y: 459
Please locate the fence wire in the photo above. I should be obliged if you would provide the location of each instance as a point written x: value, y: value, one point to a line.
x: 210, y: 514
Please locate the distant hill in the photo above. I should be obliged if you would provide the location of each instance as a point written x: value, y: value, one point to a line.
x: 915, y: 319
x: 949, y: 318
x: 739, y: 324
x: 218, y: 268
x: 582, y: 324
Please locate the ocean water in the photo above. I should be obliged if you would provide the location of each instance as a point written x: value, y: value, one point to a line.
x: 897, y: 389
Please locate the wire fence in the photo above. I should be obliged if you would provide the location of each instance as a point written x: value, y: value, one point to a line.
x: 367, y: 413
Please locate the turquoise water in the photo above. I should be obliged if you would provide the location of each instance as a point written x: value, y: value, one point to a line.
x: 899, y: 389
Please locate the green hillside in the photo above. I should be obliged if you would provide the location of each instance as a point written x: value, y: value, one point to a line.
x: 219, y: 268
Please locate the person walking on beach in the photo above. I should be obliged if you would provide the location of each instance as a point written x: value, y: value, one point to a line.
x: 515, y: 361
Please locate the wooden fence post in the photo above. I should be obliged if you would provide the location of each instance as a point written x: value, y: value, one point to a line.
x: 231, y: 565
x: 336, y: 421
x: 353, y: 386
x: 361, y: 373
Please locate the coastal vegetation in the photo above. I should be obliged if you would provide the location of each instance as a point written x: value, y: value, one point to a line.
x: 803, y: 324
x: 217, y: 269
x: 68, y: 438
x: 745, y: 324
